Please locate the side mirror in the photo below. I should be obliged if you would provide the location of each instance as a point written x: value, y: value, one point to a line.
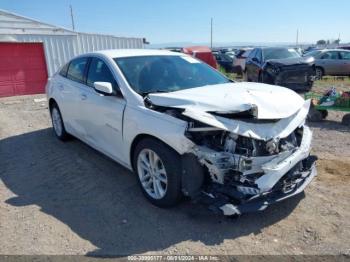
x: 104, y: 88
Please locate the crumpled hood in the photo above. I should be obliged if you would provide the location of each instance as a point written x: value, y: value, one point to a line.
x: 291, y: 61
x: 272, y: 102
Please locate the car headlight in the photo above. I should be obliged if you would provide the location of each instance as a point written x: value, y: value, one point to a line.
x: 274, y: 70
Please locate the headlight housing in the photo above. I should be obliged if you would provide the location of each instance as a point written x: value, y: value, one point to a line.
x: 273, y: 69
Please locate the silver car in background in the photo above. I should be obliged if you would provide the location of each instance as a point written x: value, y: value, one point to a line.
x: 335, y: 62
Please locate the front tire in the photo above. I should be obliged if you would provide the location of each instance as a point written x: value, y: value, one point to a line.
x: 158, y: 172
x: 319, y: 73
x: 57, y: 123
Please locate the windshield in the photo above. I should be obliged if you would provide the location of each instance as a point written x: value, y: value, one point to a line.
x: 279, y: 53
x: 147, y: 74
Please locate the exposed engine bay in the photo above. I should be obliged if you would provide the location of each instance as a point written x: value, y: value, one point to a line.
x: 229, y: 157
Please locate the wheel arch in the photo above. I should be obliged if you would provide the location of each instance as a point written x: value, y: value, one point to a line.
x: 52, y: 102
x: 322, y: 69
x: 141, y: 137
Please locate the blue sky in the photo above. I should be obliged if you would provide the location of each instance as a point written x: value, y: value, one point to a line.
x: 166, y: 21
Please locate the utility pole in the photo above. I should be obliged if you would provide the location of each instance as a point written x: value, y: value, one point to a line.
x: 211, y: 33
x: 72, y: 17
x: 297, y: 40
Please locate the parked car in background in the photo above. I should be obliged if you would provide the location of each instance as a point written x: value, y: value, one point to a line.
x: 346, y: 47
x: 185, y: 129
x: 335, y: 62
x: 224, y: 61
x: 231, y: 54
x: 310, y: 48
x: 299, y: 50
x: 202, y: 53
x: 280, y: 66
x: 239, y: 62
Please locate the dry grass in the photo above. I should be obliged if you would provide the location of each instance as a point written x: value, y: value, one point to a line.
x: 340, y: 83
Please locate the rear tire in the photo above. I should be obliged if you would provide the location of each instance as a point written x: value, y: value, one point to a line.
x: 314, y: 115
x: 57, y: 123
x: 324, y: 114
x: 158, y: 171
x: 309, y: 86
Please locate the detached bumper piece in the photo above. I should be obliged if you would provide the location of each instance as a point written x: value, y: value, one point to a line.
x: 231, y: 202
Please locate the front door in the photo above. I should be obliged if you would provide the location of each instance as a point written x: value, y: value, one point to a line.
x: 345, y: 58
x: 102, y: 116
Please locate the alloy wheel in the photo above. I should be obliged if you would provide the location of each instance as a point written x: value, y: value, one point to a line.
x: 152, y: 173
x: 56, y: 121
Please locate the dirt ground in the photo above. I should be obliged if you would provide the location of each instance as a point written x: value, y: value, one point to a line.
x: 66, y: 198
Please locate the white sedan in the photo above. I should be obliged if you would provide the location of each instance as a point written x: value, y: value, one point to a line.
x: 185, y: 129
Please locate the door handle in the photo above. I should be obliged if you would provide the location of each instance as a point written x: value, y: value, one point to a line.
x: 83, y: 96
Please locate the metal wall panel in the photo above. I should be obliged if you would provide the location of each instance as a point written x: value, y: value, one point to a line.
x: 58, y: 49
x: 92, y: 42
x: 60, y: 44
x: 61, y: 48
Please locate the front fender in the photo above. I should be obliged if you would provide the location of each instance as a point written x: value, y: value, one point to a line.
x: 139, y: 120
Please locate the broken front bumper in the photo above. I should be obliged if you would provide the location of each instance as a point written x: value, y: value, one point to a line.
x: 261, y: 202
x: 284, y: 176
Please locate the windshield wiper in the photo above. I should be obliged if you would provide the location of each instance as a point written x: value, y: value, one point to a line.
x: 155, y: 91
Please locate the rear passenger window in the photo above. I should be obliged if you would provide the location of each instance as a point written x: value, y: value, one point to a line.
x: 330, y: 55
x: 99, y: 72
x: 64, y: 70
x: 76, y: 69
x: 345, y: 55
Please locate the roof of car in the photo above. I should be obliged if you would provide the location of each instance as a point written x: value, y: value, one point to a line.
x: 114, y: 53
x: 275, y: 47
x: 333, y: 49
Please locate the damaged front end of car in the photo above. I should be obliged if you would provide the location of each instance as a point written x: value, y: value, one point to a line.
x: 240, y: 174
x: 298, y: 75
x: 239, y: 163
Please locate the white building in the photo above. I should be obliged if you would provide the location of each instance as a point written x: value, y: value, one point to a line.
x: 31, y: 51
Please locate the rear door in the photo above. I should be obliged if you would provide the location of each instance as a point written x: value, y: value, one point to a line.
x: 102, y: 115
x: 331, y: 63
x: 345, y: 57
x: 70, y: 95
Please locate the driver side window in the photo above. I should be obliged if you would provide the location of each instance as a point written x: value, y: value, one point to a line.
x: 99, y: 72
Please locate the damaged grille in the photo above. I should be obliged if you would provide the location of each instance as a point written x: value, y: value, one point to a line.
x: 236, y: 161
x: 295, y: 74
x: 222, y: 141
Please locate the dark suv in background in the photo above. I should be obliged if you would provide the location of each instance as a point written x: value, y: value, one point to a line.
x: 280, y: 66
